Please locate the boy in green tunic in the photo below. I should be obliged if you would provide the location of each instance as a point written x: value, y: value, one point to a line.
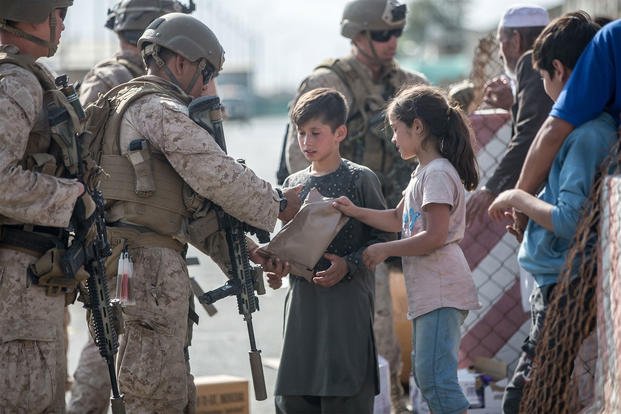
x: 329, y: 360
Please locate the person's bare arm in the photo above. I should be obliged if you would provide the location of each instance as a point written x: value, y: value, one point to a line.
x: 541, y: 153
x: 537, y: 210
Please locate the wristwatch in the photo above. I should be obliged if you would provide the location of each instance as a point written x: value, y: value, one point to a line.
x: 283, y: 201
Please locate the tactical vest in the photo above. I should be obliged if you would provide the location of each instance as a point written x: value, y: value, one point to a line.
x: 51, y: 148
x: 139, y: 184
x: 134, y: 70
x: 368, y: 139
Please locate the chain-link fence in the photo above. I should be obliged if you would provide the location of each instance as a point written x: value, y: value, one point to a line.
x: 498, y: 329
x: 577, y: 366
x: 564, y: 368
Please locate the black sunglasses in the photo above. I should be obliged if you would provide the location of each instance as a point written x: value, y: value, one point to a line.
x: 207, y: 74
x: 384, y: 35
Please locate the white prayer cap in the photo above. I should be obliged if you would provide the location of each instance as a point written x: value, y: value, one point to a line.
x: 524, y: 15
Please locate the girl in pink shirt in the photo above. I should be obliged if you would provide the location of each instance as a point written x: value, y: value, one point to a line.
x: 431, y: 217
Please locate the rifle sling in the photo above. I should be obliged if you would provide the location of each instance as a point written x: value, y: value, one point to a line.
x: 33, y: 243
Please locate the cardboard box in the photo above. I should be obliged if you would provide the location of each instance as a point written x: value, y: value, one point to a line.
x: 221, y: 394
x: 495, y: 368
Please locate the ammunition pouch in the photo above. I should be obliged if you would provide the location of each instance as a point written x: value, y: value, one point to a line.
x: 45, y: 243
x: 47, y: 272
x: 139, y: 155
x: 64, y: 124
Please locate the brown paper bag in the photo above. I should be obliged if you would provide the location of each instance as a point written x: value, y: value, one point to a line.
x: 304, y: 240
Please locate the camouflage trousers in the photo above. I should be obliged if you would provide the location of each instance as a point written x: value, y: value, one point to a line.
x: 153, y: 370
x: 32, y: 349
x: 383, y: 327
x: 90, y: 392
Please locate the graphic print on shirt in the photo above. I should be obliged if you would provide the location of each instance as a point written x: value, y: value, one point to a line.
x: 410, y: 217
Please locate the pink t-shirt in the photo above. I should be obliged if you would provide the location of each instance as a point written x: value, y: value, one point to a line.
x: 443, y: 278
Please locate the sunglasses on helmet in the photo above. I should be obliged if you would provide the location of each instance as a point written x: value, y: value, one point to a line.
x: 384, y: 35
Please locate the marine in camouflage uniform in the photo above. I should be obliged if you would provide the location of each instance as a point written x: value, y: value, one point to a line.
x: 153, y: 371
x: 36, y: 204
x: 128, y: 19
x: 368, y: 78
x: 90, y: 391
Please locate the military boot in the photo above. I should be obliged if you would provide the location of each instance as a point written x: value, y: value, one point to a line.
x: 397, y: 397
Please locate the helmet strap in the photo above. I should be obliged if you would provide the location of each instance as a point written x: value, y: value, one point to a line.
x: 198, y: 72
x: 152, y: 50
x: 52, y: 44
x: 373, y: 58
x: 37, y: 40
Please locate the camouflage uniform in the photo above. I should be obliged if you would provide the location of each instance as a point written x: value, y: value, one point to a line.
x: 381, y: 156
x: 105, y: 75
x: 152, y: 368
x: 32, y: 348
x: 90, y: 391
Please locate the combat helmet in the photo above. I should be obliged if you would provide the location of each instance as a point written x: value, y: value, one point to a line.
x: 186, y: 36
x: 31, y: 11
x: 372, y: 15
x: 129, y: 18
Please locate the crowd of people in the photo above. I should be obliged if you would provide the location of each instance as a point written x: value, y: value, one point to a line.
x: 393, y: 153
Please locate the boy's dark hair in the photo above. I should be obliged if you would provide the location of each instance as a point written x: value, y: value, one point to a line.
x: 602, y: 20
x: 564, y: 39
x: 447, y: 126
x: 326, y: 104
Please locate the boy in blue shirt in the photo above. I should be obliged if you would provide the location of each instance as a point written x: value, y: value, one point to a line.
x: 555, y: 213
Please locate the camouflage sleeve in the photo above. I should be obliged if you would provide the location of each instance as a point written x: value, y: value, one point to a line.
x: 321, y: 78
x: 26, y: 196
x: 201, y: 163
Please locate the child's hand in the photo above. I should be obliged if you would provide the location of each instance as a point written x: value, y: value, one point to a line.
x: 333, y: 274
x: 520, y: 221
x: 501, y: 206
x: 345, y: 206
x: 374, y: 255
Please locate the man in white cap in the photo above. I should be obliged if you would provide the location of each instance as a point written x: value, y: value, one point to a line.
x: 519, y: 27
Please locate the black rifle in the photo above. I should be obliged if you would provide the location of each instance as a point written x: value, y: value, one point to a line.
x: 242, y: 277
x: 92, y: 256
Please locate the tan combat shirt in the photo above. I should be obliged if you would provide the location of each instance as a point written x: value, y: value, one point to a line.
x: 326, y: 78
x: 198, y: 159
x: 26, y: 196
x: 107, y: 74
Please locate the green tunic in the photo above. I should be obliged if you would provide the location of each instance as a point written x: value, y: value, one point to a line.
x: 329, y: 344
